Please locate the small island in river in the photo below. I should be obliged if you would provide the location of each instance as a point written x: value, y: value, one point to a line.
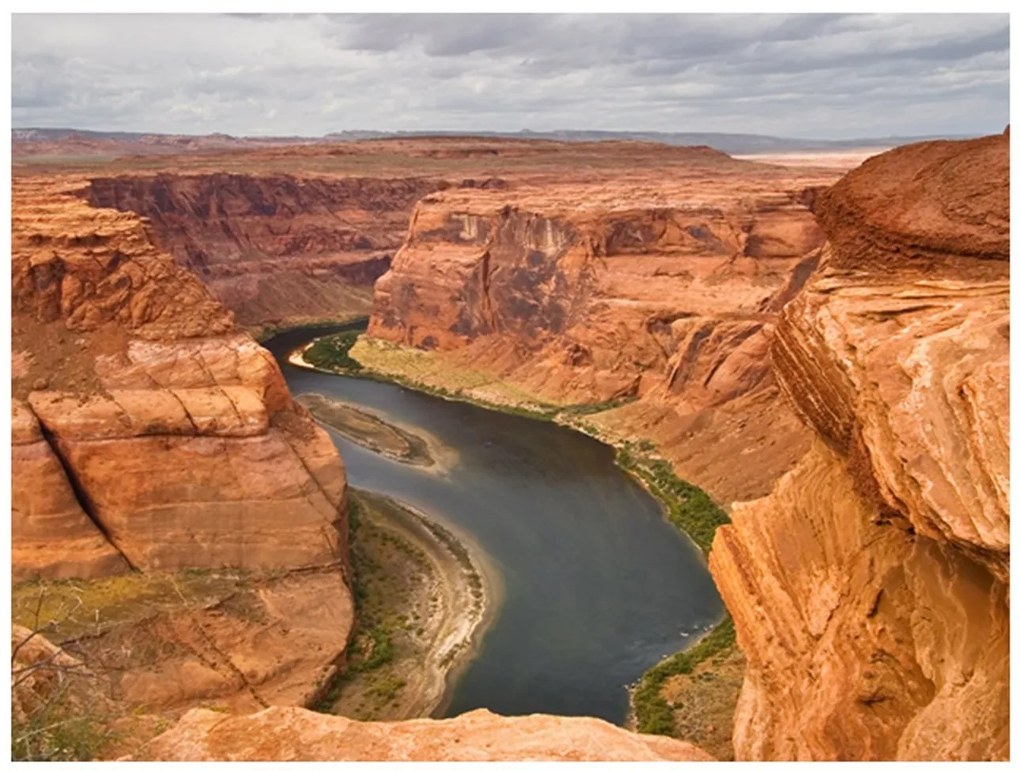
x: 368, y: 430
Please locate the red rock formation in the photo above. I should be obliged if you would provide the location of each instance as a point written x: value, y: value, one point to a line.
x: 282, y: 733
x: 50, y: 534
x: 870, y: 589
x: 166, y: 432
x: 663, y: 288
x: 273, y: 248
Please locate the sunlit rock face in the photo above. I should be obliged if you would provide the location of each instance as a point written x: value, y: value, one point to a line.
x: 296, y: 734
x: 659, y: 286
x: 870, y: 588
x: 149, y: 432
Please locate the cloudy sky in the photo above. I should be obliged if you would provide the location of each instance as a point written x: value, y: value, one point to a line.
x: 819, y: 76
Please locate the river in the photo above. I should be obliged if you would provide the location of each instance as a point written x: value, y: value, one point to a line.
x: 597, y: 586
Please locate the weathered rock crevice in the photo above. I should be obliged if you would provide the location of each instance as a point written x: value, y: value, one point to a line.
x: 80, y: 494
x: 870, y: 589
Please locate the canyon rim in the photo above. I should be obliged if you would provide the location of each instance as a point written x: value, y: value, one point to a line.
x: 316, y: 439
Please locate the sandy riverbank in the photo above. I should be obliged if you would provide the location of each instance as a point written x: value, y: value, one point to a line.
x: 426, y: 596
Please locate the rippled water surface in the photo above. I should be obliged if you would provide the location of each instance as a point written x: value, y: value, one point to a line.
x: 597, y: 585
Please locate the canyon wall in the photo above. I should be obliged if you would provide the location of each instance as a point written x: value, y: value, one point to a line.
x: 274, y: 248
x: 149, y: 432
x: 653, y: 294
x: 870, y: 589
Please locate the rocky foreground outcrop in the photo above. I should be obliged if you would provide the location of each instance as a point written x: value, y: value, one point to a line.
x: 282, y: 733
x: 150, y: 435
x: 870, y: 589
x: 148, y: 432
x: 659, y: 290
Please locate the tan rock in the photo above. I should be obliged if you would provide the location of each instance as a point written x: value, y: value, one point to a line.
x: 178, y: 432
x: 289, y: 733
x: 870, y: 588
x: 662, y: 290
x: 51, y: 536
x: 272, y: 247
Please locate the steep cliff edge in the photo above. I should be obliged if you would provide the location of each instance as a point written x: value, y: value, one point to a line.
x: 870, y: 589
x: 274, y: 248
x: 151, y: 436
x: 652, y: 294
x: 294, y: 734
x: 175, y: 433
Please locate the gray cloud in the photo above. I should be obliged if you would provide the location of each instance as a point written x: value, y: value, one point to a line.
x: 807, y: 75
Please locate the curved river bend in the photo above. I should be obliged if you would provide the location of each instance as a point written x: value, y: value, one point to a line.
x: 597, y: 586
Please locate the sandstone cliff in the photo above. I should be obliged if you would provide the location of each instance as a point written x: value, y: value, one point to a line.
x: 661, y: 290
x: 296, y: 734
x: 273, y: 248
x: 870, y: 589
x: 149, y: 433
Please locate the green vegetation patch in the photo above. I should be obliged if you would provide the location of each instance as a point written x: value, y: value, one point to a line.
x: 688, y: 507
x: 69, y: 608
x: 332, y: 352
x: 653, y: 713
x: 388, y: 606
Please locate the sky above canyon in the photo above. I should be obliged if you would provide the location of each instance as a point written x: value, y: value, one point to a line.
x: 813, y: 76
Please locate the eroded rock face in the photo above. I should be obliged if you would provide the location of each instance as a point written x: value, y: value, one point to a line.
x: 273, y: 248
x: 870, y: 589
x: 150, y: 432
x: 50, y: 533
x: 288, y: 733
x: 664, y: 291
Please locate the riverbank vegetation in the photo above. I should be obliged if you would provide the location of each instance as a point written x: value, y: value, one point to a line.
x: 688, y: 507
x: 332, y: 352
x: 692, y: 695
x: 384, y: 567
x: 416, y: 593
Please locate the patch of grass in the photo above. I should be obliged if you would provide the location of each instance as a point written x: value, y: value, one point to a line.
x: 590, y: 409
x: 654, y: 714
x: 387, y: 688
x: 332, y: 352
x: 67, y: 608
x: 263, y: 333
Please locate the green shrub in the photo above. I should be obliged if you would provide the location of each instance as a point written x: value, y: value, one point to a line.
x: 688, y: 507
x: 58, y: 730
x: 654, y: 715
x: 333, y: 352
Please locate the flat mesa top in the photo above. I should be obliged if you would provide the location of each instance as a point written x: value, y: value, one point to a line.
x: 539, y: 161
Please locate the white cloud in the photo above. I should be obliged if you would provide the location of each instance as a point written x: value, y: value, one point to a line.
x: 804, y: 75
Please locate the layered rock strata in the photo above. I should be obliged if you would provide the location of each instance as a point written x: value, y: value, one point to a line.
x: 662, y: 294
x: 273, y: 248
x: 870, y: 589
x: 149, y: 433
